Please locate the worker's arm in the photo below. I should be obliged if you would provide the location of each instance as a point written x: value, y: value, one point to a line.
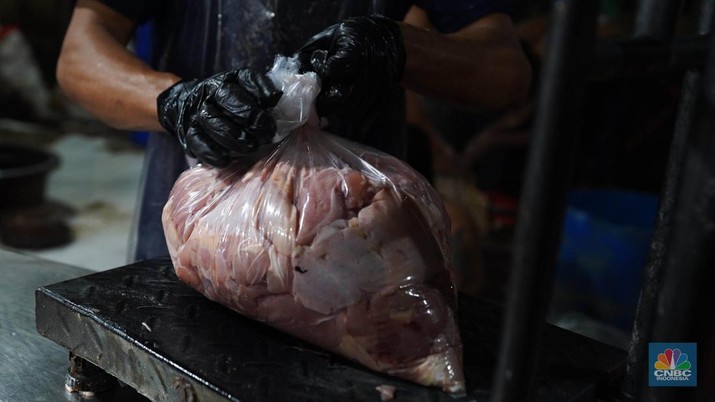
x: 360, y: 59
x: 96, y: 70
x: 216, y: 119
x: 482, y: 65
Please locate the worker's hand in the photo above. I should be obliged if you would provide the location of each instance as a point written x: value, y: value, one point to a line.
x: 359, y: 61
x: 221, y: 118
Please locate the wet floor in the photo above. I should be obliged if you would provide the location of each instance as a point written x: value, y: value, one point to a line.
x: 101, y: 187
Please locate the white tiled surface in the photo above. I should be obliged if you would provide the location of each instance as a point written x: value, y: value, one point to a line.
x: 101, y: 185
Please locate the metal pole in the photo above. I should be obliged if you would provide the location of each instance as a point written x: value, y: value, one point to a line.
x: 655, y: 19
x: 637, y: 366
x: 684, y: 311
x: 547, y: 175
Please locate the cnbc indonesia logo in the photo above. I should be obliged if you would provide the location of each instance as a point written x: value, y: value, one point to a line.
x: 673, y: 366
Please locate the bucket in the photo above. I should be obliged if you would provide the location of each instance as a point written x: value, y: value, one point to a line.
x: 605, y: 245
x: 23, y: 175
x: 27, y: 219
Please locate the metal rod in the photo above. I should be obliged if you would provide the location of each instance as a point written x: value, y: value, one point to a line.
x: 655, y: 19
x: 684, y: 310
x: 547, y: 175
x: 637, y: 363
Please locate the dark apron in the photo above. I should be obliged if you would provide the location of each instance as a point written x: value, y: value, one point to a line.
x: 198, y: 38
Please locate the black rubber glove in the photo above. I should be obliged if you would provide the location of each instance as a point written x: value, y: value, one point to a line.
x: 360, y: 62
x: 221, y: 118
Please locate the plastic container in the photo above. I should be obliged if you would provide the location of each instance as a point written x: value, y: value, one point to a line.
x: 23, y: 175
x: 27, y: 219
x: 605, y: 245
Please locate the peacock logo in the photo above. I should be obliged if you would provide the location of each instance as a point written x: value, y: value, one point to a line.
x: 672, y: 359
x: 672, y: 365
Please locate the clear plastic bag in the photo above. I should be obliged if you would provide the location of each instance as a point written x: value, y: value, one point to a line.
x: 328, y: 240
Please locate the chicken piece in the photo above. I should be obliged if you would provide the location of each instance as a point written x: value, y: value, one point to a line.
x: 387, y: 392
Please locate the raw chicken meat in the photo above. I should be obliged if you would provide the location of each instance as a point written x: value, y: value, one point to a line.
x: 333, y: 242
x: 387, y: 392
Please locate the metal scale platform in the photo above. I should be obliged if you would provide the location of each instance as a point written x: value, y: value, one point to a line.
x: 140, y: 324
